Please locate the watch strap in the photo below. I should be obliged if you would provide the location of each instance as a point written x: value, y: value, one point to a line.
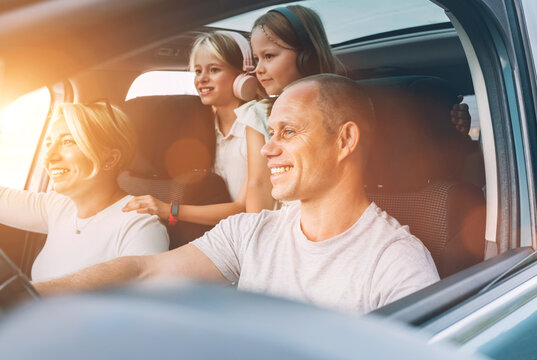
x: 174, y: 212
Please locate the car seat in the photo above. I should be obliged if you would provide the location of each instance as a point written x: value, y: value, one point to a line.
x: 415, y: 169
x: 175, y: 156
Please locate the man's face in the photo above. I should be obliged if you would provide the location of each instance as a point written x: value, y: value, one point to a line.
x: 302, y: 155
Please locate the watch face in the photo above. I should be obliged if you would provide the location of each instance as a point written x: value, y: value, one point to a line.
x: 175, y: 208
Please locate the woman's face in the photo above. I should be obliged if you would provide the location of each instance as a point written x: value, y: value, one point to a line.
x: 65, y: 163
x: 276, y: 66
x: 213, y: 78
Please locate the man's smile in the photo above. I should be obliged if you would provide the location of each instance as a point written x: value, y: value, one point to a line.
x: 280, y: 170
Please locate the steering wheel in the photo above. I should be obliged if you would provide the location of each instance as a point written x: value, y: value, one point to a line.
x: 15, y: 288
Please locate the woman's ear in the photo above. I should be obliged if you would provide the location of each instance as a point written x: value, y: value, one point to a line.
x: 112, y: 159
x: 349, y: 136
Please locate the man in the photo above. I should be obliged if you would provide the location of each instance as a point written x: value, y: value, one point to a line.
x: 333, y: 249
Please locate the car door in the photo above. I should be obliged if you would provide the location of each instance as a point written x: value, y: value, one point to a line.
x: 495, y: 318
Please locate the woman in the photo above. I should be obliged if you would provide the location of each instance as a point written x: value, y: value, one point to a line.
x: 218, y: 59
x: 87, y: 146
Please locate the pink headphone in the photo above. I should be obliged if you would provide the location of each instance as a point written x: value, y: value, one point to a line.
x: 245, y: 85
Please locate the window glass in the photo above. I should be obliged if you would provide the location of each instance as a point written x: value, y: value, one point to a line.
x: 162, y: 83
x: 530, y: 14
x: 475, y: 129
x: 21, y: 125
x: 360, y: 18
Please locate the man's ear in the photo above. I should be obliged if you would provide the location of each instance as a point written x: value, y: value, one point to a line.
x: 112, y: 159
x: 349, y: 136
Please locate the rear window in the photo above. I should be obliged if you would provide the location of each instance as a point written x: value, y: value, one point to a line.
x: 475, y: 129
x: 162, y: 83
x: 360, y: 18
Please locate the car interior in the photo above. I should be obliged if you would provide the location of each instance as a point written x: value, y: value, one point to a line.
x: 421, y: 169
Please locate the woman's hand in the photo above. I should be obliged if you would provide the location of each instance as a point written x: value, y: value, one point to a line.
x: 147, y: 204
x: 460, y: 117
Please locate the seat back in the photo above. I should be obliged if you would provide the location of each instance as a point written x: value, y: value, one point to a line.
x: 447, y: 217
x: 175, y: 157
x: 175, y: 134
x: 415, y: 169
x: 415, y: 140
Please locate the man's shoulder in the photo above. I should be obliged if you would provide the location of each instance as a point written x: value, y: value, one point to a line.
x: 389, y: 233
x: 379, y: 220
x: 264, y: 216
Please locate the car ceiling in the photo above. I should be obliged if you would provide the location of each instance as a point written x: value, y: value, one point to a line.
x: 44, y: 42
x: 436, y: 52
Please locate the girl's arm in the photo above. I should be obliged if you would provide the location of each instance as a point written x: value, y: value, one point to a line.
x: 258, y: 191
x: 199, y: 214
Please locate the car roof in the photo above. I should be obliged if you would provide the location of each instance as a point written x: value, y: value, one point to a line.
x: 44, y: 42
x: 347, y: 20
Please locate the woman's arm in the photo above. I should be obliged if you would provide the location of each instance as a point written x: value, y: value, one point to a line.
x: 258, y: 192
x: 26, y: 210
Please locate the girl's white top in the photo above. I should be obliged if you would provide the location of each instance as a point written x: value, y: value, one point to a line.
x: 231, y: 161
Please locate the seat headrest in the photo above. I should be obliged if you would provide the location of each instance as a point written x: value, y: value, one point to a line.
x: 175, y: 135
x: 415, y: 141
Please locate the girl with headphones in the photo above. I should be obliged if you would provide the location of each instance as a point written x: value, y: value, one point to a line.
x: 289, y: 43
x: 222, y: 63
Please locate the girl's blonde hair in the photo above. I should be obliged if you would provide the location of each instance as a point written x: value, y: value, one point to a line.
x: 318, y: 60
x: 225, y: 48
x: 98, y: 128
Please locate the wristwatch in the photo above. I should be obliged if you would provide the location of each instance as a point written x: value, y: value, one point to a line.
x: 174, y: 212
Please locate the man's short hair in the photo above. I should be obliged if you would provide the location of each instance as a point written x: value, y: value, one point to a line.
x: 340, y: 100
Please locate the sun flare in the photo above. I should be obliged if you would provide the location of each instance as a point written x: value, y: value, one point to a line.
x: 21, y: 124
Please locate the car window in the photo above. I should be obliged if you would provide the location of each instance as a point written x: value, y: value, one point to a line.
x: 472, y: 109
x: 162, y: 83
x: 530, y: 10
x: 361, y: 17
x: 21, y: 124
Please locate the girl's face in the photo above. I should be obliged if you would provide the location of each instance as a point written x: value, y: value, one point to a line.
x: 213, y: 78
x: 276, y: 66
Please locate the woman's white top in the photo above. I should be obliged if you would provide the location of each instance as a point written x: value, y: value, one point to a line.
x: 73, y: 243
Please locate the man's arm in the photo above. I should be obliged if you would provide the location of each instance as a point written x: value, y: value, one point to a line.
x: 405, y: 267
x: 186, y: 261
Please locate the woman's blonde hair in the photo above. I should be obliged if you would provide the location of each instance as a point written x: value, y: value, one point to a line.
x: 98, y: 128
x: 225, y: 48
x: 318, y: 60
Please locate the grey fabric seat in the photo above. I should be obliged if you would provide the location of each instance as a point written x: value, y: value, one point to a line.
x: 415, y: 169
x: 175, y: 157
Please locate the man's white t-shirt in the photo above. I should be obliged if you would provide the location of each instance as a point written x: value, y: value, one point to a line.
x: 374, y: 262
x: 109, y: 234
